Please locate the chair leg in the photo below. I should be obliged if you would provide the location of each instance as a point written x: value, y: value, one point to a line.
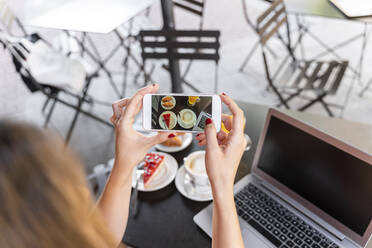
x: 78, y: 110
x: 50, y: 112
x: 270, y: 81
x: 216, y: 79
x: 318, y: 99
x: 45, y: 105
x: 144, y: 73
x: 271, y: 51
x: 125, y: 77
x: 249, y: 56
x: 128, y: 49
x: 282, y: 100
x: 88, y: 114
x: 326, y: 107
x: 184, y: 81
x: 83, y: 44
x: 190, y: 86
x: 73, y: 123
x: 147, y: 76
x: 290, y: 97
x: 187, y: 69
x: 365, y: 89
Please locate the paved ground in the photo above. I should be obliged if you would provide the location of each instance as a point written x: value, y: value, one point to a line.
x: 94, y: 142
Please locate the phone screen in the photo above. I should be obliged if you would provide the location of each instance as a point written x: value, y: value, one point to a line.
x: 170, y: 112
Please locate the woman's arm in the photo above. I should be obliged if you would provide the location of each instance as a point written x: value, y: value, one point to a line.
x: 114, y: 201
x: 226, y: 229
x: 223, y: 155
x: 130, y: 148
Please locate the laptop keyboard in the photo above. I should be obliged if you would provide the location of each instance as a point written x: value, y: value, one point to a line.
x: 276, y: 223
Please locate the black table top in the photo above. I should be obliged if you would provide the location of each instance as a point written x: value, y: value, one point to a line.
x: 165, y: 217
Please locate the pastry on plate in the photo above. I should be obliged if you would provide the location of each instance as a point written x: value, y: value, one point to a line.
x: 175, y: 141
x: 168, y: 102
x: 153, y: 164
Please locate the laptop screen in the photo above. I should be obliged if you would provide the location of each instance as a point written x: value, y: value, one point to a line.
x: 331, y: 179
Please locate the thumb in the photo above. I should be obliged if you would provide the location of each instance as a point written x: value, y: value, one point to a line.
x: 211, y: 136
x: 160, y: 138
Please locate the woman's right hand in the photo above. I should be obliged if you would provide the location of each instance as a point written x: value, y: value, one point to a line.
x: 223, y: 158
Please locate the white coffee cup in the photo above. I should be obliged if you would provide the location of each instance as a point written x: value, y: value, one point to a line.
x: 195, y: 169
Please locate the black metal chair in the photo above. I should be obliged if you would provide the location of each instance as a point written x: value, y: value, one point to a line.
x: 19, y: 49
x: 257, y: 43
x: 300, y: 29
x: 323, y: 78
x: 182, y: 44
x: 195, y: 7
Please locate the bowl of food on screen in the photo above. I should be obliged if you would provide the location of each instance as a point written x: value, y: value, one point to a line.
x: 186, y: 118
x: 168, y: 102
x: 167, y: 120
x: 192, y: 100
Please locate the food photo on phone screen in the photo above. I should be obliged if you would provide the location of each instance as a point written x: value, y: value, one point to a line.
x: 172, y: 112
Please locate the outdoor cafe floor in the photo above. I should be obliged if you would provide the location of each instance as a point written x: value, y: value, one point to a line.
x: 94, y: 142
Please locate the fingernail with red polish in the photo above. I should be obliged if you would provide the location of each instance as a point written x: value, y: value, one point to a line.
x: 223, y: 93
x: 208, y: 121
x: 153, y: 85
x: 171, y: 135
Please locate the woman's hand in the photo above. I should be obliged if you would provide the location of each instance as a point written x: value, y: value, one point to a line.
x: 221, y: 135
x: 222, y: 158
x: 132, y: 146
x: 224, y: 151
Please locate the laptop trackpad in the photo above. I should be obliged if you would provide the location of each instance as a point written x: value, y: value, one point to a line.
x: 251, y: 239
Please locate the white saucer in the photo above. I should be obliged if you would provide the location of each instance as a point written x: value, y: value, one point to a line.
x: 186, y: 141
x: 164, y: 177
x: 180, y: 179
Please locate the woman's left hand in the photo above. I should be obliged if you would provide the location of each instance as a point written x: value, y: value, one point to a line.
x: 132, y: 146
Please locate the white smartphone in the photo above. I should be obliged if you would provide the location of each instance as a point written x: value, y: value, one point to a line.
x: 179, y: 112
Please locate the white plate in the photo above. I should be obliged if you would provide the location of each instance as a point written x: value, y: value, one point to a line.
x: 186, y: 141
x: 180, y: 179
x: 179, y: 119
x: 169, y: 108
x: 173, y: 117
x: 164, y: 177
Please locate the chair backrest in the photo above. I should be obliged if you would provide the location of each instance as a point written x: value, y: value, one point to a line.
x: 180, y: 44
x: 19, y: 49
x: 193, y: 6
x: 269, y: 22
x: 8, y: 18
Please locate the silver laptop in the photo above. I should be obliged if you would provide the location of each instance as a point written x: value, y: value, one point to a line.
x: 306, y: 189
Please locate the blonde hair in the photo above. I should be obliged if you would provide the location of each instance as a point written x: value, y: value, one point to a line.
x: 44, y: 198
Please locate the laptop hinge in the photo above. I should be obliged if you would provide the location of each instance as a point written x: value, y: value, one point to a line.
x: 312, y: 217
